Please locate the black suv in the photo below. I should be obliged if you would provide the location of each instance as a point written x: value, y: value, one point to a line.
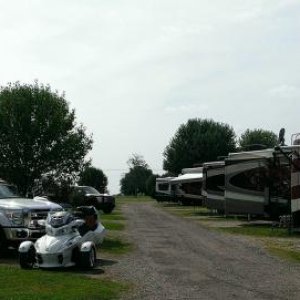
x: 87, y: 195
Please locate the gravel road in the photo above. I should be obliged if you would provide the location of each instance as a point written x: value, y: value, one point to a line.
x: 179, y: 259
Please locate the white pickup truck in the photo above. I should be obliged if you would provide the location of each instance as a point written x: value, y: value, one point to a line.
x: 19, y: 217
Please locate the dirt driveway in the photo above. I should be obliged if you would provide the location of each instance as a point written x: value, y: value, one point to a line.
x: 179, y: 259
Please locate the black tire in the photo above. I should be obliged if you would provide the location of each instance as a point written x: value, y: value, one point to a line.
x: 76, y: 257
x: 27, y: 260
x: 3, y: 241
x: 107, y: 210
x: 88, y: 259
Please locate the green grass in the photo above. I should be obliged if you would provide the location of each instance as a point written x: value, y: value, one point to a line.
x: 186, y: 211
x: 133, y: 199
x: 38, y: 284
x: 259, y: 231
x: 115, y: 245
x: 113, y: 217
x: 278, y: 241
x: 113, y: 226
x: 284, y: 253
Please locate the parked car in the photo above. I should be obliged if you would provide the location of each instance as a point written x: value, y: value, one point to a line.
x: 19, y: 217
x: 87, y: 195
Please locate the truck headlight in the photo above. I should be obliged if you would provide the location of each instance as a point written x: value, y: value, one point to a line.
x: 16, y: 217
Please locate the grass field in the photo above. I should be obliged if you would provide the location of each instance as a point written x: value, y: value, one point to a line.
x: 259, y: 231
x: 38, y: 284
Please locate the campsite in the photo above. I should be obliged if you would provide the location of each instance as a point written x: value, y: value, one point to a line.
x: 149, y: 150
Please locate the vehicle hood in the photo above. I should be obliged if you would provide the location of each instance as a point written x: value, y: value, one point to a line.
x: 30, y: 204
x: 93, y: 195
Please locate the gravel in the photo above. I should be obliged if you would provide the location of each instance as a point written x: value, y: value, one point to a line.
x: 175, y: 258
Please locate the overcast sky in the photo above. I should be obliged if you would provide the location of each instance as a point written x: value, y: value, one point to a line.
x: 135, y: 70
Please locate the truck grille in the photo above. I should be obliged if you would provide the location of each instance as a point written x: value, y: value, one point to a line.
x: 36, y: 215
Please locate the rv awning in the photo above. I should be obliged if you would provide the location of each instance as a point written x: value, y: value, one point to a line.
x: 188, y: 178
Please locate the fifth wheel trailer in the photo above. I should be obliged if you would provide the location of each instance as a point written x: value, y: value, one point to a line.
x: 258, y: 182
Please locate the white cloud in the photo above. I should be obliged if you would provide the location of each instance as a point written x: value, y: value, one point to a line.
x: 285, y: 91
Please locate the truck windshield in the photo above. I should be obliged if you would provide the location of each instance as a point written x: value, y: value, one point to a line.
x: 7, y: 192
x: 88, y: 190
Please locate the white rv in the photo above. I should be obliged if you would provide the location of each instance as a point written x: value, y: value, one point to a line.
x: 214, y: 185
x: 189, y: 186
x: 164, y: 191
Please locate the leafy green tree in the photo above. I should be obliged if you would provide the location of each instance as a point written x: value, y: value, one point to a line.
x: 198, y: 141
x: 38, y: 135
x: 134, y: 181
x: 258, y: 137
x: 94, y: 177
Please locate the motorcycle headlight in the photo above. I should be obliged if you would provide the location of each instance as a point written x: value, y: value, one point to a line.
x: 16, y: 217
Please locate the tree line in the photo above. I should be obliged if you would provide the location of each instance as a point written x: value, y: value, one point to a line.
x: 40, y: 139
x: 195, y: 142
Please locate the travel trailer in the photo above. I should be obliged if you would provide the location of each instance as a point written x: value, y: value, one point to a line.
x: 214, y: 185
x: 188, y: 189
x: 258, y: 182
x: 164, y: 191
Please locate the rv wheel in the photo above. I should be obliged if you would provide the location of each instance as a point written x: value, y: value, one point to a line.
x: 27, y: 259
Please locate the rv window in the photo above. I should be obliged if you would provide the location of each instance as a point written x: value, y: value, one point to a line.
x: 192, y: 188
x: 254, y: 179
x: 163, y: 186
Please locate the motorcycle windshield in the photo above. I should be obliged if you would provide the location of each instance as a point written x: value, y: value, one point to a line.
x: 59, y: 231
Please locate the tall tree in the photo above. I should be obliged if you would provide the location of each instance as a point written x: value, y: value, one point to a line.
x: 137, y: 160
x: 94, y: 177
x: 198, y: 141
x: 258, y: 137
x: 134, y: 181
x: 38, y: 135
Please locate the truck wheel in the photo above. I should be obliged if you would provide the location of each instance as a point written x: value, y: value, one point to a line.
x: 27, y: 259
x: 3, y: 241
x: 107, y: 210
x: 88, y: 259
